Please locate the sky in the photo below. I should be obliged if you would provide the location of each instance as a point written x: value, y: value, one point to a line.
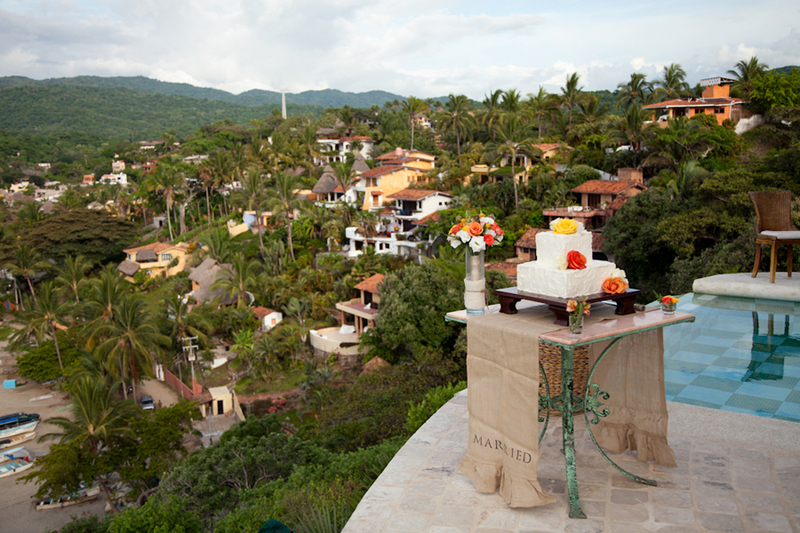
x: 424, y: 48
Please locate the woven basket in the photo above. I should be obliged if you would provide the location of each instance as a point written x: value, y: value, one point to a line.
x: 550, y: 358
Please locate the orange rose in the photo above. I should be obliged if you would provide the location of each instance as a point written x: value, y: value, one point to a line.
x: 576, y: 260
x: 615, y: 286
x: 474, y: 229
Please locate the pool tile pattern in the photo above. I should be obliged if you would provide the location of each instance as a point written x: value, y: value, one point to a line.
x: 745, y: 360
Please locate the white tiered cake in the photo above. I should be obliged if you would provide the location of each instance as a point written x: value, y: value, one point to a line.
x: 544, y: 277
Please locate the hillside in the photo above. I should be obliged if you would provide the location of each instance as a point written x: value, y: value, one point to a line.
x: 254, y: 97
x: 118, y: 113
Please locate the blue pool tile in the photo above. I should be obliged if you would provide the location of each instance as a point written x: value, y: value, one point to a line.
x: 685, y: 366
x: 706, y: 395
x: 739, y: 353
x: 760, y: 405
x: 695, y: 357
x: 716, y: 383
x: 678, y: 376
x: 763, y: 390
x: 793, y: 396
x: 789, y: 410
x: 701, y: 403
x: 727, y: 341
x: 724, y: 372
x: 744, y: 411
x: 791, y: 371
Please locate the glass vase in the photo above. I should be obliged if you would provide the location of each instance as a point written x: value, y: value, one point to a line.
x: 474, y: 283
x: 576, y: 323
x: 668, y: 309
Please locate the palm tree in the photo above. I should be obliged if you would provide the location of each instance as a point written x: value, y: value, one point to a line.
x: 30, y: 212
x: 45, y: 317
x: 130, y: 340
x: 512, y: 141
x: 243, y: 277
x: 673, y: 81
x: 634, y: 91
x: 539, y: 106
x: 631, y: 128
x: 167, y: 179
x: 72, y: 274
x: 221, y: 170
x: 745, y: 72
x: 344, y: 174
x: 217, y: 245
x: 27, y: 262
x: 205, y: 173
x: 571, y: 95
x: 99, y: 306
x: 491, y: 111
x: 456, y: 117
x: 284, y: 202
x: 413, y: 107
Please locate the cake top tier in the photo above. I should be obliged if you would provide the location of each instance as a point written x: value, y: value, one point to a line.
x: 552, y: 247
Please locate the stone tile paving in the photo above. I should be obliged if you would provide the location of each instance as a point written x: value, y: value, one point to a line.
x: 715, y: 487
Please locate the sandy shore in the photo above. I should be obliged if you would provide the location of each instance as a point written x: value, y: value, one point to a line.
x: 16, y: 503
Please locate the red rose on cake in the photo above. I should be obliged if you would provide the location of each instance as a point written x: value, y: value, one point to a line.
x: 576, y: 260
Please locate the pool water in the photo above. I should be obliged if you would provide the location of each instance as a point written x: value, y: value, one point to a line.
x: 740, y: 354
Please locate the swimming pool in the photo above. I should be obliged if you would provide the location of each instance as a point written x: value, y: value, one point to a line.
x: 741, y: 354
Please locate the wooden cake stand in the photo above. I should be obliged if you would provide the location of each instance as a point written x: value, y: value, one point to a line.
x: 509, y: 298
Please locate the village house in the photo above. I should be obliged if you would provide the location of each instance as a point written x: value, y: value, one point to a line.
x: 203, y: 277
x: 117, y: 166
x: 522, y: 165
x: 337, y: 148
x: 157, y: 259
x: 363, y: 310
x: 114, y: 179
x: 716, y: 100
x: 600, y: 199
x: 399, y: 169
x: 267, y: 318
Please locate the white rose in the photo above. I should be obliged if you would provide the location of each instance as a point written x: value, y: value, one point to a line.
x: 561, y: 262
x: 454, y: 241
x: 477, y: 244
x: 464, y: 236
x: 619, y: 273
x: 487, y: 220
x: 553, y: 223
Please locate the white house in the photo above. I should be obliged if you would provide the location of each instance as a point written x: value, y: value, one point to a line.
x: 336, y: 149
x: 396, y: 234
x: 117, y: 166
x: 114, y: 179
x: 267, y: 317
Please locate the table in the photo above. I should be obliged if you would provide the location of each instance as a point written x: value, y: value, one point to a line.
x: 608, y: 330
x: 510, y: 297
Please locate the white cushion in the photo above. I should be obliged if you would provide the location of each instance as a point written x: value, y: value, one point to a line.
x: 783, y: 235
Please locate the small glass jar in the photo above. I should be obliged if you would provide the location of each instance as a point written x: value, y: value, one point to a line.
x: 576, y: 323
x: 668, y: 308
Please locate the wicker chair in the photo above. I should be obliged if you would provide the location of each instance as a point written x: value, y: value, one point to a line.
x: 774, y: 227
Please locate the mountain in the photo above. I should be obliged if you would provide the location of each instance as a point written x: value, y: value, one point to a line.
x: 254, y: 97
x: 118, y: 113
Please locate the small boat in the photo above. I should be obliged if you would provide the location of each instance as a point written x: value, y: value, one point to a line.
x: 17, y: 423
x: 8, y: 442
x: 10, y: 454
x: 22, y: 461
x: 83, y: 495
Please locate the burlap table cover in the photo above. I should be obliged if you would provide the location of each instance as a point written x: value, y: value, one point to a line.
x: 503, y: 386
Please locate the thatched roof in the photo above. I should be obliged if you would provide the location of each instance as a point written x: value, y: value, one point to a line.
x: 147, y: 254
x: 360, y: 165
x: 327, y: 183
x: 205, y: 275
x: 129, y: 268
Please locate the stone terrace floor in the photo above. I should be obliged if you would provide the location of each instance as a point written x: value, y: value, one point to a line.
x: 735, y: 473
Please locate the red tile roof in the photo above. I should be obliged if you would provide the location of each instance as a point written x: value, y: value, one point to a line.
x: 694, y: 102
x: 433, y: 217
x: 509, y: 268
x: 380, y: 171
x: 528, y: 239
x: 261, y: 312
x: 157, y: 247
x: 412, y: 194
x: 371, y: 284
x: 605, y: 187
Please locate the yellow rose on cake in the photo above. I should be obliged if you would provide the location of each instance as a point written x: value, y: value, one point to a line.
x: 564, y: 226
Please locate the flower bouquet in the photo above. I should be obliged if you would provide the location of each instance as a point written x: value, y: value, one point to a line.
x: 477, y: 233
x: 669, y: 304
x: 577, y: 309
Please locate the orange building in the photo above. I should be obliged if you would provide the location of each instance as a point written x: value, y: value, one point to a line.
x: 716, y: 100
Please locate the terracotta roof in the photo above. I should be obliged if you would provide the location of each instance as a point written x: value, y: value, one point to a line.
x: 261, y: 312
x: 528, y: 239
x: 546, y: 147
x: 509, y: 268
x: 371, y: 284
x: 618, y: 202
x: 694, y: 102
x: 357, y: 138
x: 605, y: 187
x: 433, y: 217
x: 380, y: 171
x: 413, y: 194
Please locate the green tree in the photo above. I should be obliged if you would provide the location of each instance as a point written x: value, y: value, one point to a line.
x: 244, y: 276
x: 45, y: 317
x: 166, y: 180
x: 129, y: 341
x: 633, y: 92
x: 284, y: 202
x: 773, y: 90
x: 72, y: 275
x: 571, y: 96
x: 413, y: 107
x: 27, y: 263
x: 745, y: 73
x: 673, y: 82
x: 512, y: 141
x: 456, y: 118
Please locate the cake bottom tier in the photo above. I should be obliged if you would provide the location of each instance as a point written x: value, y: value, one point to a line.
x: 534, y: 278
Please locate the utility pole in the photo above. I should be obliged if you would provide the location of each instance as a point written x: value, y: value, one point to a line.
x: 188, y: 346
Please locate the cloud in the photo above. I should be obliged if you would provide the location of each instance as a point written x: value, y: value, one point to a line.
x: 424, y: 48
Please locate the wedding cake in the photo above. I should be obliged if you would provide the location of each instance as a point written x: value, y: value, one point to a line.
x: 564, y: 267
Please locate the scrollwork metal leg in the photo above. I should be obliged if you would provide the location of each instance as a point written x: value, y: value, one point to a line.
x: 567, y: 353
x: 544, y: 403
x: 592, y: 404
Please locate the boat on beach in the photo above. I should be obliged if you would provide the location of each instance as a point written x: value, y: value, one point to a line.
x: 10, y: 454
x: 17, y: 423
x: 82, y: 495
x: 21, y: 461
x: 8, y: 442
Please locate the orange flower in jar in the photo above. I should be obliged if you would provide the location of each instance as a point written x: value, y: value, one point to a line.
x: 576, y: 260
x: 615, y: 286
x: 474, y: 229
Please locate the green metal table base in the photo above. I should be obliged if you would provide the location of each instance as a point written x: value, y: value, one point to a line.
x: 568, y: 404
